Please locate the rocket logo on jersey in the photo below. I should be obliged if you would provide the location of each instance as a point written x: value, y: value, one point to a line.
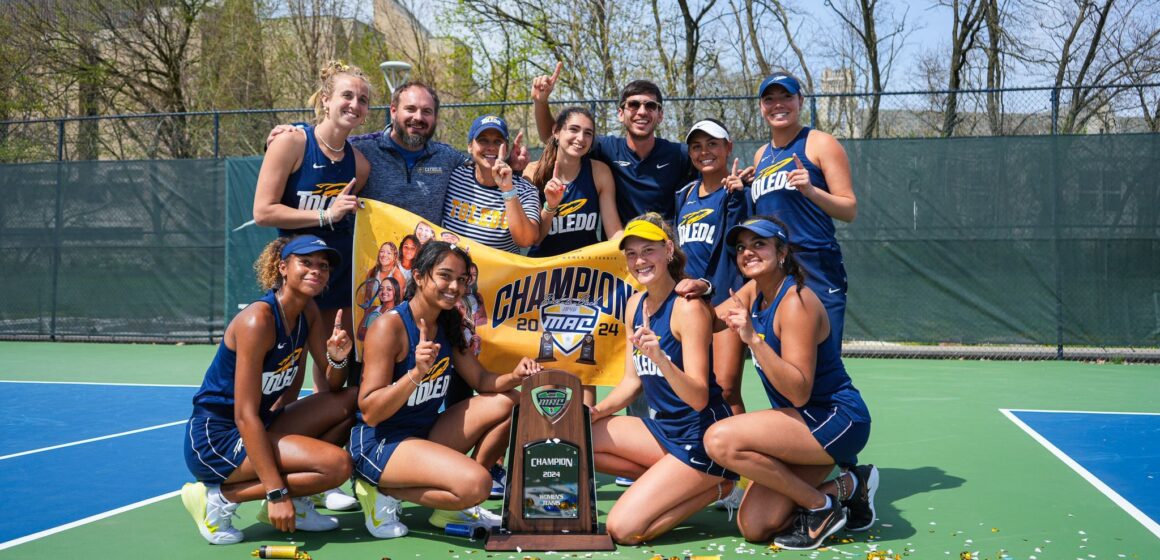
x: 568, y: 219
x: 283, y: 376
x: 697, y: 227
x: 772, y: 178
x: 321, y: 197
x: 568, y: 320
x: 434, y: 384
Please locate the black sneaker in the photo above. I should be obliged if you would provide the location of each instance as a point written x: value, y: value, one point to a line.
x: 860, y: 507
x: 811, y: 528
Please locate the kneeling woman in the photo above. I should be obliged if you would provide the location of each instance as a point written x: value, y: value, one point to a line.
x: 818, y: 418
x: 249, y: 438
x: 669, y: 357
x: 403, y: 447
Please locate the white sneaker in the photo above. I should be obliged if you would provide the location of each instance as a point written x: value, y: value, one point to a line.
x: 306, y: 518
x: 472, y: 516
x: 337, y: 500
x: 380, y: 510
x: 212, y: 512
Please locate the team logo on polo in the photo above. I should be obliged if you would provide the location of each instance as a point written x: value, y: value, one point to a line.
x: 568, y: 320
x: 551, y: 401
x: 697, y: 227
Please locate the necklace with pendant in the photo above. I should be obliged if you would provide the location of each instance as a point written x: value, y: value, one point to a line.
x: 285, y: 321
x: 328, y: 146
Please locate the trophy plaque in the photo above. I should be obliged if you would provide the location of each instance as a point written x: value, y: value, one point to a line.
x: 550, y: 499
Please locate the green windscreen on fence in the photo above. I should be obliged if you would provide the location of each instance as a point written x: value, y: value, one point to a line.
x: 1001, y: 240
x: 112, y: 250
x: 244, y: 239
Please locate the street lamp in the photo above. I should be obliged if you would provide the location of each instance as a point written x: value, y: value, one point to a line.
x: 395, y: 72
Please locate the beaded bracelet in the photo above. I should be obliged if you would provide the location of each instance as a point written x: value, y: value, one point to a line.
x: 335, y: 364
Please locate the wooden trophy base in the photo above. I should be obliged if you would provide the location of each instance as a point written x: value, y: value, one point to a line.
x: 543, y: 542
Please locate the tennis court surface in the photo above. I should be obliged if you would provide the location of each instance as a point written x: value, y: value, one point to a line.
x: 1014, y: 460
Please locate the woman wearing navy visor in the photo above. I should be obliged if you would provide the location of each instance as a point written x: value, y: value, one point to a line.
x: 803, y: 179
x: 817, y: 419
x: 250, y: 437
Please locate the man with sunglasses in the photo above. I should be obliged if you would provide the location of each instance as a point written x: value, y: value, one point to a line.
x: 648, y: 170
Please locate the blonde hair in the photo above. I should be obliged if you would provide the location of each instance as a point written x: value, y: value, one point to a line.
x: 266, y: 267
x: 326, y: 79
x: 676, y: 266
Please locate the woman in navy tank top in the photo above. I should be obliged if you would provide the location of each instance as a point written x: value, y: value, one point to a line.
x: 803, y: 179
x: 309, y: 179
x: 817, y: 419
x: 668, y: 357
x: 403, y: 447
x: 250, y: 437
x: 578, y: 193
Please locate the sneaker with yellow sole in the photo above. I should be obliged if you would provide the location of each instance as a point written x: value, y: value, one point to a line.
x: 472, y: 515
x: 212, y: 512
x: 380, y: 510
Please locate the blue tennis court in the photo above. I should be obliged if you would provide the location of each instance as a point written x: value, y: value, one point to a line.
x: 1115, y: 452
x: 112, y: 445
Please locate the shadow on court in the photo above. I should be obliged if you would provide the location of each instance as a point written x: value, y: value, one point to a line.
x: 898, y: 484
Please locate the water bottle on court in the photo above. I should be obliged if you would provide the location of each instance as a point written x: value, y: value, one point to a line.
x: 473, y: 531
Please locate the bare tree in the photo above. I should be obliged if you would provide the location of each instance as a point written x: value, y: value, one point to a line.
x: 870, y: 52
x: 1096, y: 43
x: 967, y: 19
x: 143, y: 51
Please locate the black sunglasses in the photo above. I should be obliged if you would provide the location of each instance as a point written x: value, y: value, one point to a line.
x: 651, y: 106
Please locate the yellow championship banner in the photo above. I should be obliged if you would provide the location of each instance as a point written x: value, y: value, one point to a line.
x: 567, y: 311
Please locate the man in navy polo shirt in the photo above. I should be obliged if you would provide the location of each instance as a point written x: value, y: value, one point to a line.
x: 648, y: 170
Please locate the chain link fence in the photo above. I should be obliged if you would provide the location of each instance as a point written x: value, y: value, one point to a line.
x: 1033, y: 233
x: 1103, y: 109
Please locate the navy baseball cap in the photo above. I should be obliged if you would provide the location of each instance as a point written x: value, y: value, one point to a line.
x: 780, y: 79
x: 310, y: 244
x: 759, y: 226
x: 485, y: 122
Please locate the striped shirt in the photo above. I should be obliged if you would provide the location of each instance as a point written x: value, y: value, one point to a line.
x: 478, y: 212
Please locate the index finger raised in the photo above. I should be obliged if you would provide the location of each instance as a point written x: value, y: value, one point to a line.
x: 338, y: 320
x: 644, y: 313
x: 346, y: 190
x: 735, y: 161
x: 422, y: 331
x: 798, y: 162
x: 556, y: 73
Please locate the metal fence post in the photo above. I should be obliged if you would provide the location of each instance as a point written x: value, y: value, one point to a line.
x: 813, y: 112
x: 56, y: 225
x: 1054, y: 111
x: 217, y: 129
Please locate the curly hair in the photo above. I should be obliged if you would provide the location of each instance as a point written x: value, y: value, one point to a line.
x: 266, y: 267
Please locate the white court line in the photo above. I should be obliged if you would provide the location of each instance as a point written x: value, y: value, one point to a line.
x: 95, y: 383
x: 90, y: 440
x: 1114, y: 496
x: 85, y: 521
x: 1080, y: 411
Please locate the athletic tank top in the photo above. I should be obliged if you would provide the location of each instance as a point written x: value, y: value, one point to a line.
x: 663, y: 402
x: 316, y: 184
x: 215, y: 398
x: 577, y: 223
x: 422, y: 407
x: 830, y: 377
x: 701, y: 226
x: 809, y: 226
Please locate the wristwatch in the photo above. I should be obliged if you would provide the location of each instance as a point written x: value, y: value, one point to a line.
x: 275, y: 495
